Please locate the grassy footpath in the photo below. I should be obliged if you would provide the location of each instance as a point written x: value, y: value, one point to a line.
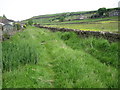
x: 38, y: 58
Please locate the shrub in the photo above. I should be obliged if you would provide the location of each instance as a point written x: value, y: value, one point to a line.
x: 61, y: 18
x: 65, y: 36
x: 6, y: 36
x: 30, y: 22
x: 17, y: 26
x: 24, y: 26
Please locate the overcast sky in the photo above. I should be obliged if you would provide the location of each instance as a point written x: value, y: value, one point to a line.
x: 24, y: 9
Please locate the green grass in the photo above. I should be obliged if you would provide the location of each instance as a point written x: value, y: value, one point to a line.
x: 19, y: 51
x: 109, y: 24
x: 59, y: 14
x: 111, y: 27
x: 41, y: 21
x: 46, y: 20
x: 114, y: 18
x: 63, y: 61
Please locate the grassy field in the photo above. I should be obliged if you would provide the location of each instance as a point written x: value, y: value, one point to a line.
x: 111, y: 27
x: 38, y: 58
x: 109, y: 24
x: 114, y: 18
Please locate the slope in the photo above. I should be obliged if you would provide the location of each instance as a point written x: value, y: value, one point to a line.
x: 38, y: 58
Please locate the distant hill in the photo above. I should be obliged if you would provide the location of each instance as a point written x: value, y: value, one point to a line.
x: 53, y: 17
x: 68, y: 16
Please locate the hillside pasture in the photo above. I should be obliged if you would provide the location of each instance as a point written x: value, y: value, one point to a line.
x: 101, y: 26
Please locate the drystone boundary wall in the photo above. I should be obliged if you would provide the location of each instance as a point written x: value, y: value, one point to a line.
x: 0, y: 32
x: 112, y: 37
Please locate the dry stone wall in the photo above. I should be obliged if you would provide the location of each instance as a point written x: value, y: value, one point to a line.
x: 0, y: 32
x: 112, y: 37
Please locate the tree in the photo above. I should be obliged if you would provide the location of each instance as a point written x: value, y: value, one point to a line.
x: 30, y: 22
x: 61, y: 19
x: 101, y: 11
x: 4, y: 16
x: 17, y: 26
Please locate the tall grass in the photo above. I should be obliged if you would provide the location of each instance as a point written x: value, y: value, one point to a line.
x: 102, y: 49
x: 18, y: 51
x: 63, y: 61
x: 82, y: 66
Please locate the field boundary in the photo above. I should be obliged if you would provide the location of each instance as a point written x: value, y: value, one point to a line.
x: 112, y: 37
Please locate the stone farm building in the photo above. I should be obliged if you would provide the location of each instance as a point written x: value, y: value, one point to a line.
x: 7, y: 25
x: 114, y: 13
x: 6, y: 21
x: 8, y: 28
x: 83, y: 17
